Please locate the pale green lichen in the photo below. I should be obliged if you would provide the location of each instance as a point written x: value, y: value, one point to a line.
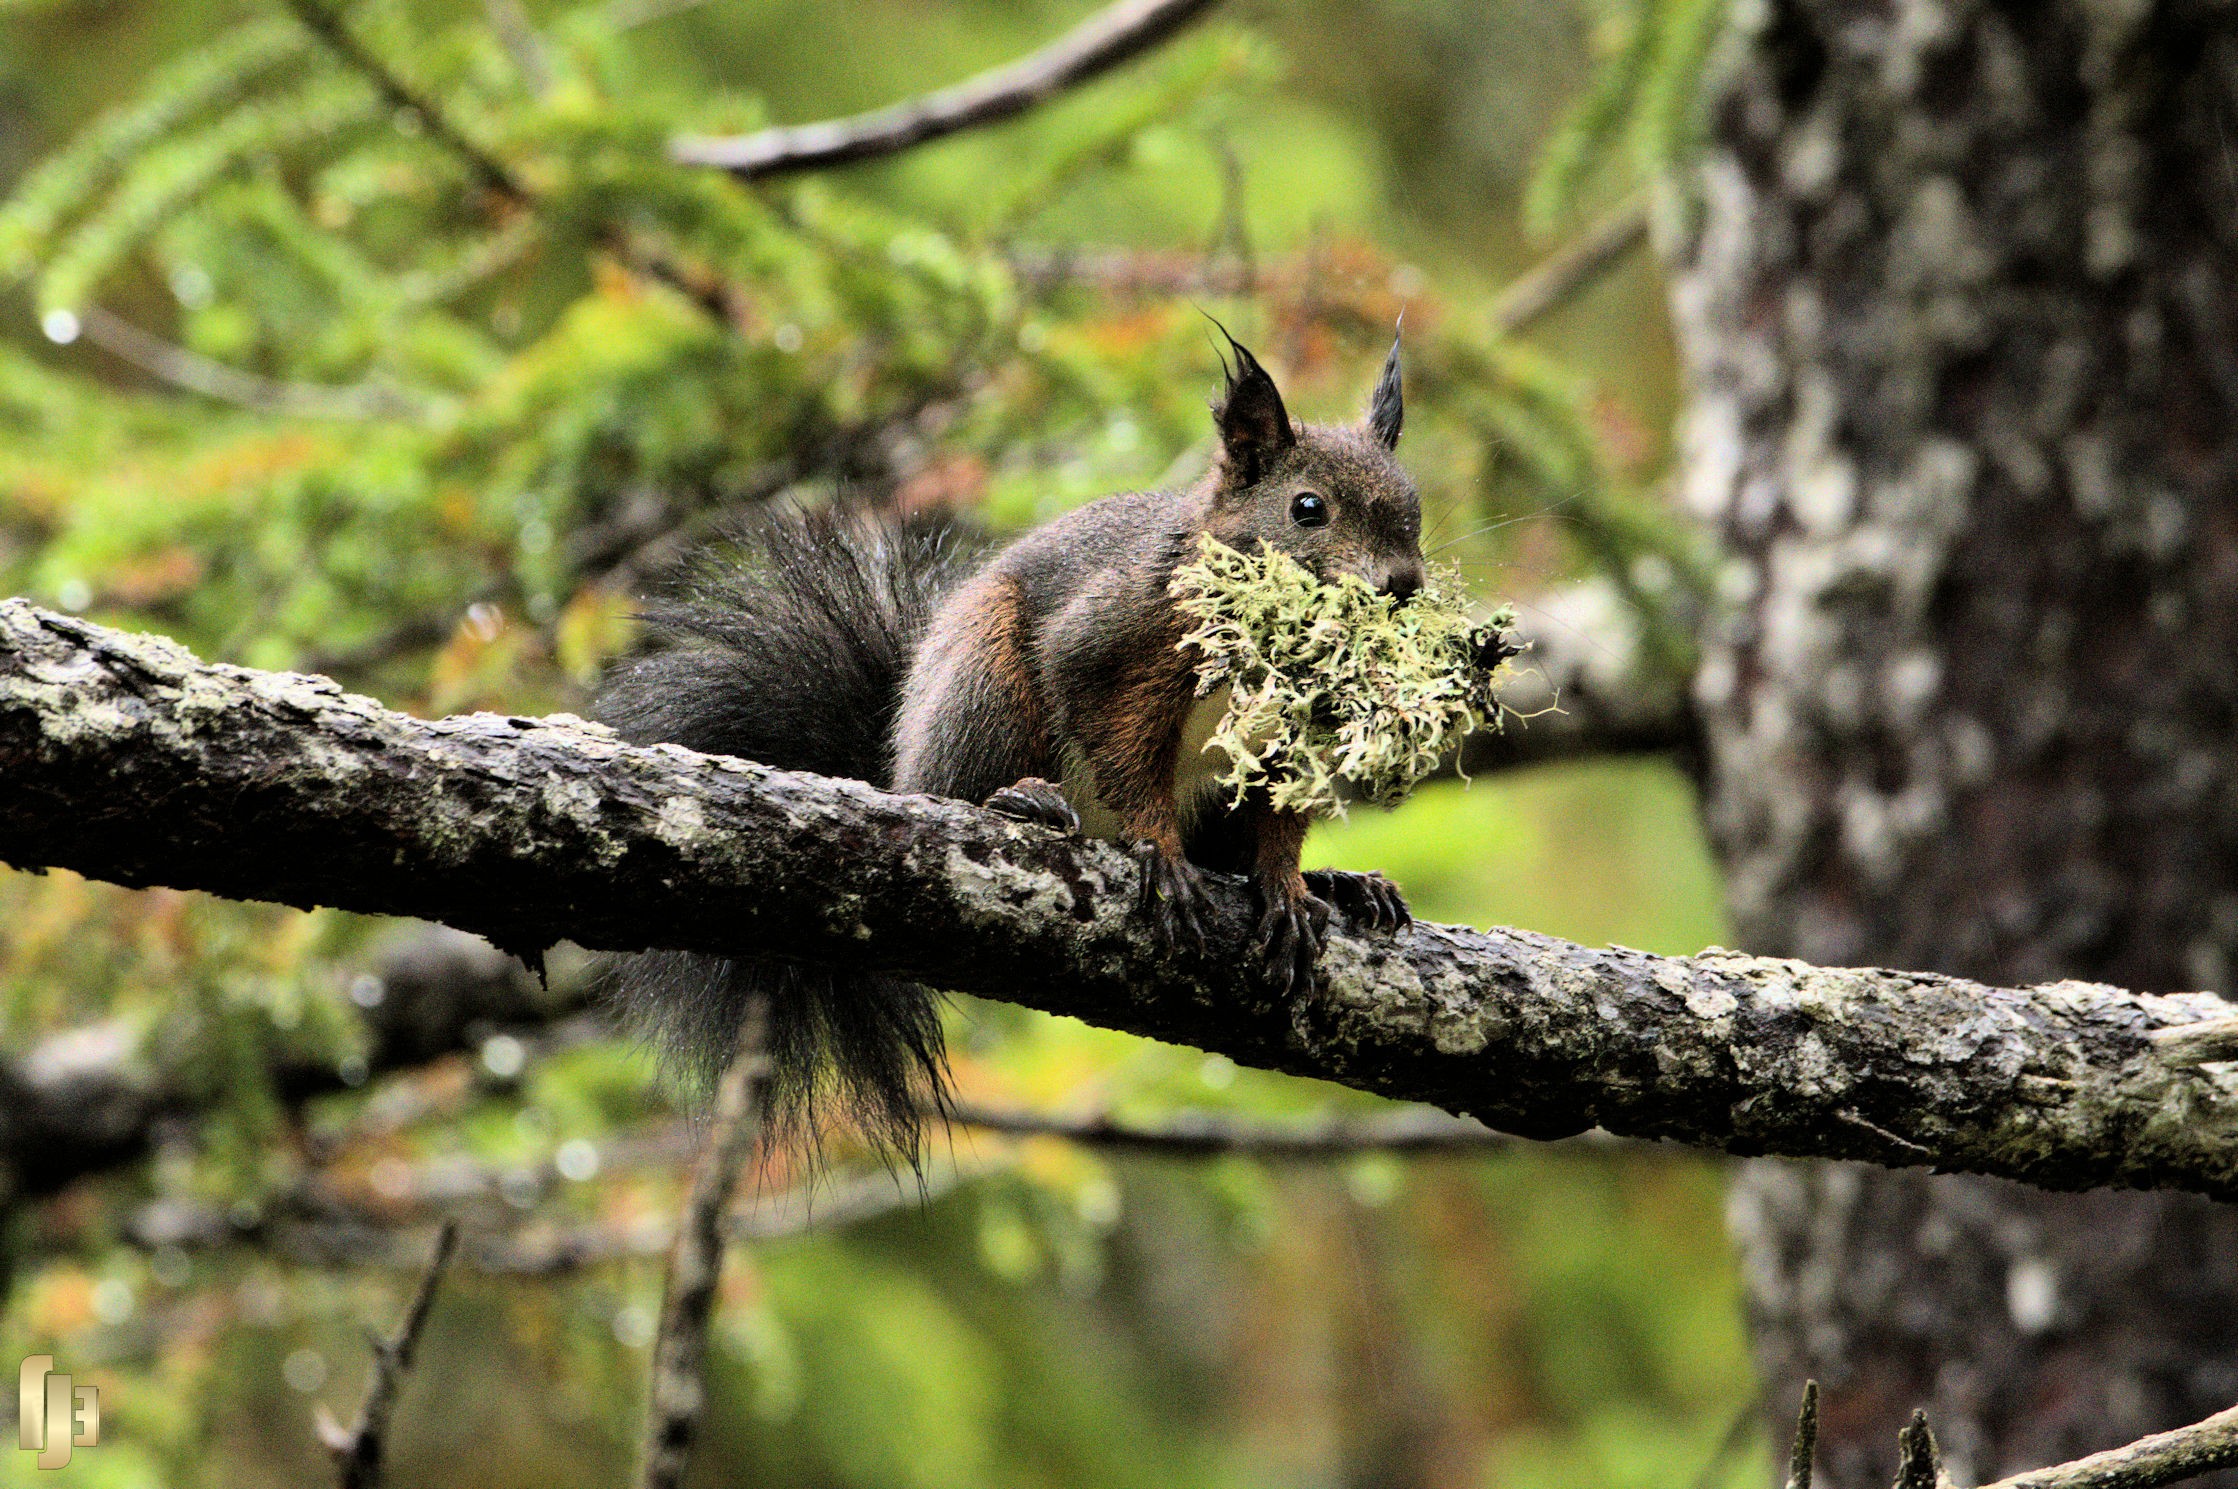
x: 1334, y: 690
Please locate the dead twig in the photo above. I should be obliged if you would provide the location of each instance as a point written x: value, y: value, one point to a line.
x: 212, y: 379
x: 1554, y: 282
x: 678, y: 1392
x: 1210, y: 1134
x: 1106, y: 39
x: 360, y: 1452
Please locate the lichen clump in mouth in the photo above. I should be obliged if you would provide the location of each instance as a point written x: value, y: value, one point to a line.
x: 1335, y: 691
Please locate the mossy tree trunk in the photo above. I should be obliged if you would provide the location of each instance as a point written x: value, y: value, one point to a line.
x: 1959, y: 292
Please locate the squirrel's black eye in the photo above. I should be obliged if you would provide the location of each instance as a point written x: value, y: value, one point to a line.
x: 1308, y: 509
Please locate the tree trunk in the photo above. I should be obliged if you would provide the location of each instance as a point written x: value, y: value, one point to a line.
x: 1957, y: 296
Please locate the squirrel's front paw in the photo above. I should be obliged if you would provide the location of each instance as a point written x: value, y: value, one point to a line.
x: 1038, y: 801
x: 1290, y: 932
x: 1368, y: 900
x: 1173, y: 897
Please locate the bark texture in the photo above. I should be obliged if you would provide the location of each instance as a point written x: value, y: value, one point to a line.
x: 125, y: 758
x: 1958, y: 300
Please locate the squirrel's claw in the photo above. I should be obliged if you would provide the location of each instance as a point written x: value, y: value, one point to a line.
x: 1368, y: 900
x: 1290, y: 933
x: 1035, y: 800
x: 1173, y: 897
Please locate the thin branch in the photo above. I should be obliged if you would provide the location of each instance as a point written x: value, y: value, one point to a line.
x: 360, y: 1453
x: 196, y: 373
x: 626, y: 15
x: 2164, y: 1458
x: 1153, y: 272
x: 336, y: 1236
x: 1555, y: 282
x: 523, y: 44
x: 1111, y: 36
x: 642, y: 543
x: 123, y: 758
x: 1539, y: 291
x: 1737, y: 1434
x: 678, y: 1394
x: 327, y: 25
x: 1212, y: 1134
x: 488, y: 1193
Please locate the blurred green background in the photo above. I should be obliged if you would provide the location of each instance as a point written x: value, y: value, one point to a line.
x: 279, y: 377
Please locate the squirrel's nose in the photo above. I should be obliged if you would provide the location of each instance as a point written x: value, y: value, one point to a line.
x: 1401, y: 586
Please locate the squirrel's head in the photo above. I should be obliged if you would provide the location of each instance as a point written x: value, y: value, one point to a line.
x: 1332, y: 496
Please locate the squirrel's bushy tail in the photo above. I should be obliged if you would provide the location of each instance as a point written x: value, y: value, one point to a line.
x: 787, y: 643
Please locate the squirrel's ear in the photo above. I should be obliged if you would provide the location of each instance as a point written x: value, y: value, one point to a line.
x: 1254, y: 426
x: 1387, y: 409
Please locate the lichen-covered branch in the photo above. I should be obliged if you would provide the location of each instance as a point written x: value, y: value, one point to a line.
x: 1116, y: 34
x: 124, y: 758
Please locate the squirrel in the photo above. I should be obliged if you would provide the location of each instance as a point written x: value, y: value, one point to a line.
x: 1045, y: 681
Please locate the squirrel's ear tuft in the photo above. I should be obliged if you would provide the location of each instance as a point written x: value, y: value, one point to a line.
x: 1387, y: 408
x: 1254, y: 426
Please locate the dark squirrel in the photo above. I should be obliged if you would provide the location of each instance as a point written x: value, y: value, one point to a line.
x: 1043, y: 680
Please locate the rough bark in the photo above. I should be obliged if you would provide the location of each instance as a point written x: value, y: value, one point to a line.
x: 125, y: 758
x: 1958, y: 304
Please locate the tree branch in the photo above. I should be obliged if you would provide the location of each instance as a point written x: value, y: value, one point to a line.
x: 124, y: 758
x: 2163, y: 1458
x: 677, y: 1395
x: 1553, y: 282
x: 495, y: 175
x: 327, y: 25
x: 196, y: 373
x: 330, y: 1236
x: 361, y: 1452
x: 1213, y: 1134
x: 1106, y: 39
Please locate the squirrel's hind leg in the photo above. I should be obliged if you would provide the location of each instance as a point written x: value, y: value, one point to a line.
x: 971, y: 723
